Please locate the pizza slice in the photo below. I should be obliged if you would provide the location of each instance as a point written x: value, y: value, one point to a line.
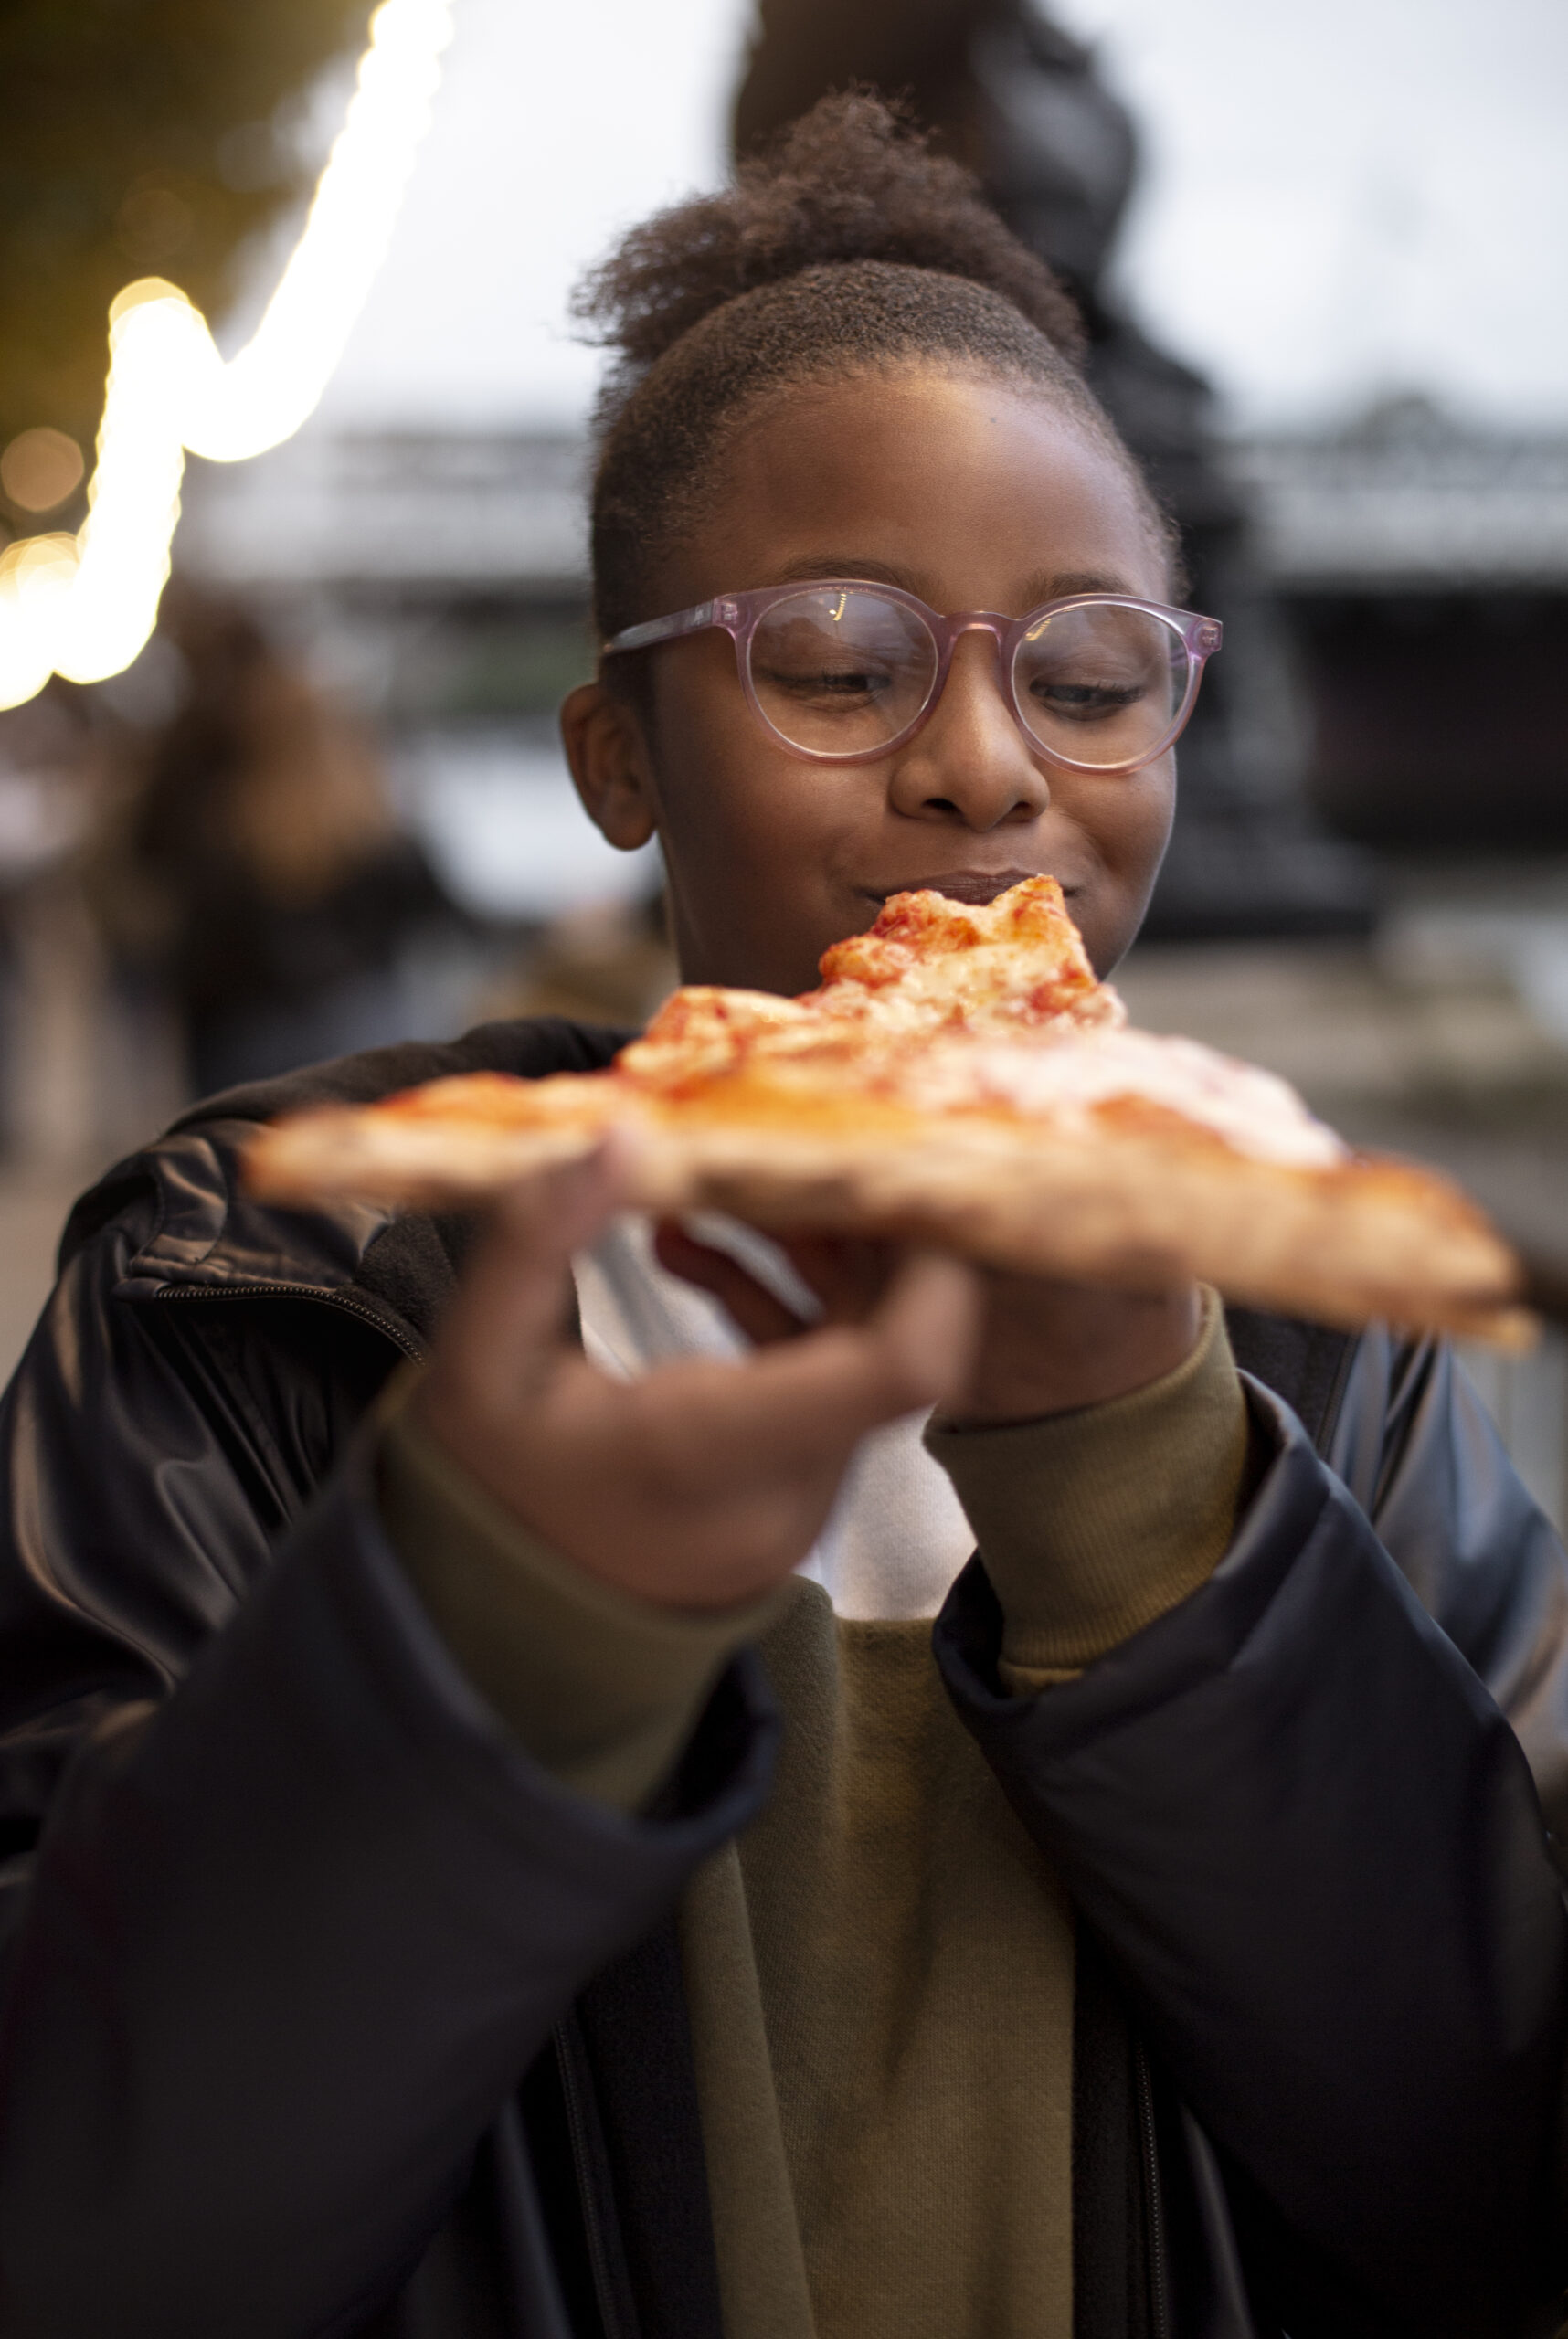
x: 961, y: 1078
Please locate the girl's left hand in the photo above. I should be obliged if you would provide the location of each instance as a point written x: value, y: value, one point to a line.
x: 1045, y: 1346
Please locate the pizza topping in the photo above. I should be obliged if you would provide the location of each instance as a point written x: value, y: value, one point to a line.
x: 928, y: 963
x: 702, y: 1031
x: 928, y: 968
x: 1251, y: 1110
x: 952, y: 1006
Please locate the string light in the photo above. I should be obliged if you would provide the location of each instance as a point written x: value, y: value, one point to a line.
x: 83, y: 606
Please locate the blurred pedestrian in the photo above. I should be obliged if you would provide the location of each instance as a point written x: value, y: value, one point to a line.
x: 257, y: 866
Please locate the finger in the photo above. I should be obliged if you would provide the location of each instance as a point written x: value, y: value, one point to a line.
x: 926, y: 1327
x: 511, y: 1305
x: 563, y: 1208
x: 848, y: 1272
x: 802, y: 1406
x: 916, y: 1350
x: 759, y: 1314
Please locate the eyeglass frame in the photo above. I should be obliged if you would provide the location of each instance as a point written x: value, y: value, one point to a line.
x: 740, y: 614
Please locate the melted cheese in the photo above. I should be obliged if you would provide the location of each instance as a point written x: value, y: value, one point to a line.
x: 944, y: 1007
x: 1252, y: 1111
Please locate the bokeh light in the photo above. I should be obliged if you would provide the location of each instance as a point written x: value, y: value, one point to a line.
x: 84, y: 607
x: 40, y: 469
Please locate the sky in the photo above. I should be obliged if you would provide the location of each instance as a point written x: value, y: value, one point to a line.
x: 1342, y: 202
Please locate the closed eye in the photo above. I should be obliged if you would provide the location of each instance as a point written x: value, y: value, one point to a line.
x: 845, y: 682
x: 1086, y: 702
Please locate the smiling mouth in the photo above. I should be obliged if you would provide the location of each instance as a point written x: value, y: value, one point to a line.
x: 977, y: 887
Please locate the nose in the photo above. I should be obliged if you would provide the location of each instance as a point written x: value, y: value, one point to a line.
x: 970, y: 761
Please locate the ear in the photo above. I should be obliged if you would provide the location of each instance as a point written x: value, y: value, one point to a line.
x: 610, y: 765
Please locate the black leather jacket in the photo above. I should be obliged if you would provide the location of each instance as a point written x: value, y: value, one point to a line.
x: 326, y: 2011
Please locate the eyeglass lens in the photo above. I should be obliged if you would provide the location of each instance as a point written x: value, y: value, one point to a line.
x: 840, y: 672
x: 1100, y: 684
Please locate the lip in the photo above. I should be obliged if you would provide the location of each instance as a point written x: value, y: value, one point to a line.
x: 977, y: 887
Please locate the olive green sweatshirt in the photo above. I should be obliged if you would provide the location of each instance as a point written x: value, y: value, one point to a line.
x: 880, y: 1974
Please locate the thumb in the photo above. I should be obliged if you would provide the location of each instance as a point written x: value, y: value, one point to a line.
x: 507, y: 1315
x: 824, y: 1391
x: 924, y: 1331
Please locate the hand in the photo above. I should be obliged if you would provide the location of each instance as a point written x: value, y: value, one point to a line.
x: 1044, y: 1346
x: 705, y: 1482
x: 1048, y: 1347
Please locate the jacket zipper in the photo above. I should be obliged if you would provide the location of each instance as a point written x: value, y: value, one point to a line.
x: 567, y: 2062
x: 1159, y: 2286
x: 348, y: 1302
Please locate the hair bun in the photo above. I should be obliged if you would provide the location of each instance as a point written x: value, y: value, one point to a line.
x: 853, y: 180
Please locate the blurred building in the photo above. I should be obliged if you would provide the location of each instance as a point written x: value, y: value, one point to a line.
x: 1420, y: 568
x: 1425, y: 569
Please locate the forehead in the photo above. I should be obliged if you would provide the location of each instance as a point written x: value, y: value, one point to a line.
x: 974, y: 493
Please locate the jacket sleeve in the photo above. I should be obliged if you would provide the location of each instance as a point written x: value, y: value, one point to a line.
x: 1298, y: 1822
x: 303, y: 1910
x: 1417, y: 1449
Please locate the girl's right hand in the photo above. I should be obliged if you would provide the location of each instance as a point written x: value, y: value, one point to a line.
x: 704, y: 1482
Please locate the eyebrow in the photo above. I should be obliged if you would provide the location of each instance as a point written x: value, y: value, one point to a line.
x: 816, y: 567
x: 1044, y: 585
x: 1048, y: 587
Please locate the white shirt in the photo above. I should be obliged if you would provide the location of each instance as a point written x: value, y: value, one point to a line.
x: 896, y: 1537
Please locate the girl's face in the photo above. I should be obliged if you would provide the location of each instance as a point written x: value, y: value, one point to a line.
x: 973, y: 495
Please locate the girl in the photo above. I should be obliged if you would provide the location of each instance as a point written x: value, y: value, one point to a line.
x: 434, y: 1933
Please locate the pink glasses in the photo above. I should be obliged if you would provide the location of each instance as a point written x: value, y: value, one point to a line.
x: 842, y: 672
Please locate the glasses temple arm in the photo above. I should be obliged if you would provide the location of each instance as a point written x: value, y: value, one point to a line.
x: 641, y: 636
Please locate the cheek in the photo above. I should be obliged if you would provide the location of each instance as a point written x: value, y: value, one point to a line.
x: 1143, y: 819
x: 722, y: 804
x: 699, y: 736
x: 1126, y: 822
x: 1127, y: 826
x: 731, y: 801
